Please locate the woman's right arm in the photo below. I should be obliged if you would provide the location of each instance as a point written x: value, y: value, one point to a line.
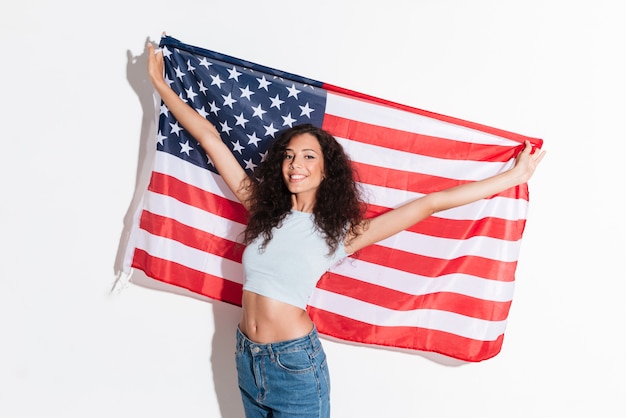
x: 201, y: 129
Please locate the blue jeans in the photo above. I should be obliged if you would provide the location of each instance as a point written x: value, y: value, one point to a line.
x: 284, y: 379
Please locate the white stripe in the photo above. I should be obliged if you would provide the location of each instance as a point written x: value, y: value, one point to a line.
x: 415, y: 163
x: 496, y: 207
x: 193, y: 258
x: 417, y: 285
x: 448, y: 249
x: 382, y: 115
x: 192, y: 216
x: 207, y: 180
x: 465, y: 326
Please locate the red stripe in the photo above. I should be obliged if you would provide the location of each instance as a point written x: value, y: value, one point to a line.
x: 187, y: 278
x: 420, y: 144
x: 195, y: 196
x: 400, y: 301
x: 191, y: 237
x: 508, y: 230
x: 472, y: 125
x: 435, y: 267
x: 418, y: 182
x: 413, y: 338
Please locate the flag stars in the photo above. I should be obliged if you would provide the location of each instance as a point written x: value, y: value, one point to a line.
x: 202, y: 112
x: 288, y: 120
x: 164, y: 110
x: 175, y: 128
x: 237, y: 147
x: 306, y: 110
x: 276, y: 102
x: 190, y: 93
x: 250, y: 165
x: 258, y: 111
x: 270, y: 130
x: 241, y: 121
x: 214, y: 108
x: 233, y: 73
x: 201, y: 87
x: 190, y: 67
x: 205, y: 63
x: 184, y: 147
x: 293, y: 91
x: 217, y: 81
x: 228, y: 100
x: 253, y: 139
x: 161, y: 138
x: 179, y: 73
x: 263, y: 83
x: 246, y: 92
x: 225, y: 128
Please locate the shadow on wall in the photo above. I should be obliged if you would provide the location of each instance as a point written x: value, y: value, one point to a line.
x: 225, y: 316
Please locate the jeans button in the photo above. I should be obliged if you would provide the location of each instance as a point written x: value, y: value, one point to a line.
x: 255, y: 350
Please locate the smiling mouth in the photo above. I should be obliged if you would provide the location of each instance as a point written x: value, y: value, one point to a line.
x: 297, y: 177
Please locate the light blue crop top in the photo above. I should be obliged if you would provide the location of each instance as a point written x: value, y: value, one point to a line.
x: 292, y: 262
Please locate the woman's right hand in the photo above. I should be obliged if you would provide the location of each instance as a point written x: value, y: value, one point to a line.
x: 155, y: 64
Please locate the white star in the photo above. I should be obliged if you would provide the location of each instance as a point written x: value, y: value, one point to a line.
x: 228, y: 100
x: 225, y: 127
x: 263, y: 155
x: 258, y: 111
x: 185, y: 148
x: 168, y: 81
x: 237, y: 147
x: 164, y: 110
x: 241, y: 120
x: 270, y: 130
x: 190, y: 67
x: 201, y: 87
x: 166, y: 52
x: 306, y: 110
x: 287, y: 120
x: 179, y: 73
x: 252, y: 139
x: 250, y: 165
x: 175, y: 128
x: 217, y: 81
x: 214, y: 108
x: 233, y: 73
x: 161, y: 138
x: 205, y: 63
x: 276, y: 102
x: 263, y: 83
x: 246, y: 92
x: 190, y: 93
x: 203, y: 112
x: 293, y: 91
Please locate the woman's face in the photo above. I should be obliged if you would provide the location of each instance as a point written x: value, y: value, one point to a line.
x: 303, y: 165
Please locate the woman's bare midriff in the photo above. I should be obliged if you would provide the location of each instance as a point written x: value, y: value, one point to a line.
x: 267, y: 320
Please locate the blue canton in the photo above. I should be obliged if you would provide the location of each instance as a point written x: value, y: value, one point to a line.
x: 248, y: 104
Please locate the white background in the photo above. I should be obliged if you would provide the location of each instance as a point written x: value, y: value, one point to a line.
x: 74, y: 123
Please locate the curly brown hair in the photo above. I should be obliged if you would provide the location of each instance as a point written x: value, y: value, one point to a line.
x: 338, y: 209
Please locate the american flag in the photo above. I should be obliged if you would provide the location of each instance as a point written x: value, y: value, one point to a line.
x: 445, y: 285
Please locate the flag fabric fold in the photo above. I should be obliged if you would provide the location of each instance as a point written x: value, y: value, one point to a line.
x: 444, y: 285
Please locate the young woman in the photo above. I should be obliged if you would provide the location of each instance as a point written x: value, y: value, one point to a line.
x: 304, y: 216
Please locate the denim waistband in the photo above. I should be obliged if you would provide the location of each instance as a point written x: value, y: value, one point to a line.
x: 311, y: 340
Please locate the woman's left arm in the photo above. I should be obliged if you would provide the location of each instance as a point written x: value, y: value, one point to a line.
x: 403, y: 217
